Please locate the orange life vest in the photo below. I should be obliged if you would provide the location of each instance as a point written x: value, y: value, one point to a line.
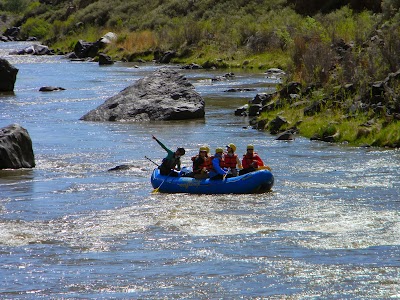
x: 206, y: 163
x: 230, y: 161
x: 248, y: 160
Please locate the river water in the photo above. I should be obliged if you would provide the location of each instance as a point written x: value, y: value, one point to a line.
x: 69, y: 228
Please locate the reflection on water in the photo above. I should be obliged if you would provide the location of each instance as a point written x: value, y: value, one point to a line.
x: 19, y: 181
x: 71, y: 229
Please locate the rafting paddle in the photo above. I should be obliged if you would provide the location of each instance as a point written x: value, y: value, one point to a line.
x: 152, y: 161
x: 227, y: 172
x: 156, y: 190
x: 264, y: 168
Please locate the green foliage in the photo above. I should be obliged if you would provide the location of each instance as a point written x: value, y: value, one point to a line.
x: 33, y: 5
x: 16, y: 6
x: 35, y: 27
x: 390, y: 7
x: 347, y: 25
x: 61, y: 29
x: 97, y: 13
x: 327, y: 130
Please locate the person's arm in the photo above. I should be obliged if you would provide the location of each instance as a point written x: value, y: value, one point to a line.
x: 169, y: 151
x: 161, y: 144
x: 217, y: 167
x: 238, y: 162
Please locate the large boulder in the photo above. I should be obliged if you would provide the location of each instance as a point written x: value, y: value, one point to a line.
x: 163, y: 95
x: 8, y: 75
x: 15, y: 148
x: 11, y: 34
x: 84, y: 49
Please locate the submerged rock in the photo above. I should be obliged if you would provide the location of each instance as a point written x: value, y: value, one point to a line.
x: 120, y: 168
x: 163, y: 95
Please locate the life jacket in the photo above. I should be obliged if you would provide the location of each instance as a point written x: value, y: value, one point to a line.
x: 248, y: 160
x: 205, y: 164
x: 230, y: 161
x: 168, y: 165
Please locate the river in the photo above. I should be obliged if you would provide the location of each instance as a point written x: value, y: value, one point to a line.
x: 69, y: 228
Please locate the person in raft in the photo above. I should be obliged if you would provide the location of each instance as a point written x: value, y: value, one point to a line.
x: 217, y: 162
x: 201, y: 163
x: 172, y: 161
x: 231, y: 160
x: 251, y: 161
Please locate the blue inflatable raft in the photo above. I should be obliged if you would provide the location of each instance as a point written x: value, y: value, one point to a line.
x: 254, y: 182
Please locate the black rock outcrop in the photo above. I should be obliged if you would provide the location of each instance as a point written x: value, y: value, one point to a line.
x: 8, y: 75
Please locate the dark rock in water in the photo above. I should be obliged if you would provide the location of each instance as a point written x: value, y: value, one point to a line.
x: 286, y: 136
x: 242, y: 111
x: 8, y: 75
x: 50, y: 89
x: 239, y: 90
x: 163, y: 95
x: 254, y: 109
x: 120, y: 168
x: 84, y: 49
x: 105, y: 59
x: 192, y: 66
x: 15, y: 148
x: 167, y: 56
x: 224, y: 77
x: 275, y: 72
x: 276, y: 124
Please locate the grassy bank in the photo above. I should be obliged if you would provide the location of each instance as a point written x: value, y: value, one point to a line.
x: 360, y: 129
x: 321, y: 44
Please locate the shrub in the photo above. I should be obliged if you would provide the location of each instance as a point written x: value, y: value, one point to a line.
x: 97, y: 14
x: 347, y: 25
x: 33, y: 5
x: 134, y: 42
x: 390, y: 7
x: 15, y: 6
x: 391, y: 47
x: 35, y: 27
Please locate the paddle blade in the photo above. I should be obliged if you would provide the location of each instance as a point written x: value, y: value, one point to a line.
x: 265, y: 168
x: 155, y: 191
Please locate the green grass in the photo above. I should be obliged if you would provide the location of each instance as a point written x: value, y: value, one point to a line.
x: 347, y: 130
